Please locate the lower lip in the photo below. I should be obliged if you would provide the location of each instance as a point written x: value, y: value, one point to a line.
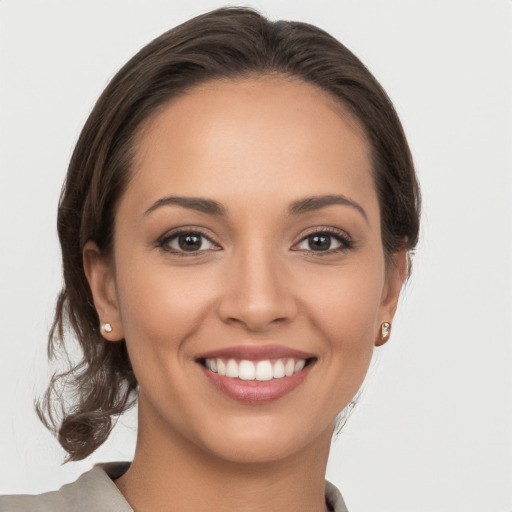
x: 255, y: 391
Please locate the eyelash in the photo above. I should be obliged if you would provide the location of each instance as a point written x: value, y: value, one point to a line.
x: 346, y: 242
x: 164, y: 241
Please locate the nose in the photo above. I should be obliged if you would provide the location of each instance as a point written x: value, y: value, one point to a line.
x: 257, y: 293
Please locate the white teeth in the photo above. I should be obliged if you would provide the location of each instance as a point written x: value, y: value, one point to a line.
x: 289, y: 367
x: 278, y: 370
x: 264, y: 370
x: 251, y: 370
x: 211, y: 364
x: 299, y: 365
x: 232, y: 369
x: 221, y: 367
x: 246, y: 370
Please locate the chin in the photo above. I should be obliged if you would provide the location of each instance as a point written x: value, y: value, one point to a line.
x: 264, y: 441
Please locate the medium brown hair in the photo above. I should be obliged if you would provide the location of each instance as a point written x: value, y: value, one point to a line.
x: 225, y: 43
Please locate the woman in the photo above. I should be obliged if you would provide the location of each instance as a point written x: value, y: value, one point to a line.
x: 235, y: 228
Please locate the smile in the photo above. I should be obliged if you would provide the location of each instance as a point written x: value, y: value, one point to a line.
x: 256, y: 374
x: 255, y: 370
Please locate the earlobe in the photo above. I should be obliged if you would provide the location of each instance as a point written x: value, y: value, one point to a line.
x: 395, y: 278
x: 99, y: 272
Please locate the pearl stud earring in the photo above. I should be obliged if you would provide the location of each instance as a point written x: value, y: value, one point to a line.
x: 385, y: 329
x: 107, y: 327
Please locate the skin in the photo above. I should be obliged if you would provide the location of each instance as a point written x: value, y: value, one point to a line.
x: 255, y: 146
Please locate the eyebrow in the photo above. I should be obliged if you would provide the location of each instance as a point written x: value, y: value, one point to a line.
x: 313, y: 203
x: 193, y: 203
x: 212, y: 207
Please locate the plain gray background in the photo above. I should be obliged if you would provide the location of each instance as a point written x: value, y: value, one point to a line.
x: 433, y: 430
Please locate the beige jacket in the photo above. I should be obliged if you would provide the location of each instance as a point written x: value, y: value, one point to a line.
x: 95, y: 491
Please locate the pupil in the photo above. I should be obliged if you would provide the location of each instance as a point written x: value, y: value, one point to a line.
x: 320, y: 242
x: 190, y: 242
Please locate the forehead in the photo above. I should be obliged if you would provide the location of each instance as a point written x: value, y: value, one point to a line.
x: 233, y: 138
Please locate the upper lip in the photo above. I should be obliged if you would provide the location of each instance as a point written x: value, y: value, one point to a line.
x: 255, y: 353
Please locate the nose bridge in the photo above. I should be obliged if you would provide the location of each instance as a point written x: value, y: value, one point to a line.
x: 256, y: 293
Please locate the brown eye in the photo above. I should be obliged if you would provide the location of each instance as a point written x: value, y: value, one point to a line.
x: 187, y: 242
x: 324, y: 242
x: 319, y: 242
x: 190, y: 242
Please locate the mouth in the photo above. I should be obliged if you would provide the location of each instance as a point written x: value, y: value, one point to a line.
x: 263, y: 370
x: 256, y: 374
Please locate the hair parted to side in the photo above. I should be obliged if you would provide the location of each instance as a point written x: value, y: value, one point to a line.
x: 225, y: 43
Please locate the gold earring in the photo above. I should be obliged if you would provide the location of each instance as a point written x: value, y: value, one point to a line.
x: 385, y: 329
x: 107, y: 327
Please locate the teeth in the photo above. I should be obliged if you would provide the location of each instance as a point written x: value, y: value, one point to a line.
x: 246, y: 370
x: 299, y: 365
x: 232, y: 369
x: 211, y: 364
x: 251, y: 370
x: 278, y: 370
x: 264, y: 370
x: 289, y: 367
x: 221, y: 367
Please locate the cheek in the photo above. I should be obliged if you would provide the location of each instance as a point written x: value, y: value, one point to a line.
x: 161, y: 308
x: 347, y: 305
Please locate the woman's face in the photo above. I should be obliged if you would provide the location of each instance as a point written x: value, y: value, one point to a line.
x: 249, y: 232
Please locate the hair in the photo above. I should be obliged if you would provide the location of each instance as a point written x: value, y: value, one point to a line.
x: 228, y: 43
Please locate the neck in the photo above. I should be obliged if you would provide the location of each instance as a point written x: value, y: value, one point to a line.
x: 170, y: 473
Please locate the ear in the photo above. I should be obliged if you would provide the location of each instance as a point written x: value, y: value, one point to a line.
x: 395, y: 278
x: 100, y: 275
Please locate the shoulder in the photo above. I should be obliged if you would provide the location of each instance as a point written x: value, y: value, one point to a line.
x: 334, y: 499
x: 94, y: 490
x: 49, y: 501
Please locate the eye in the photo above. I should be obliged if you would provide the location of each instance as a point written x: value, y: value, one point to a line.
x: 187, y: 242
x: 324, y: 242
